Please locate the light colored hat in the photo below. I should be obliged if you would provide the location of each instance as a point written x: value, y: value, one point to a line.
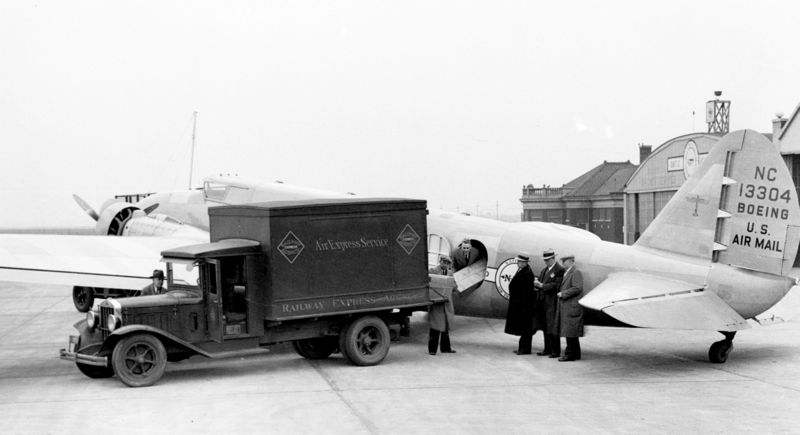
x: 548, y: 254
x: 568, y: 257
x: 523, y: 256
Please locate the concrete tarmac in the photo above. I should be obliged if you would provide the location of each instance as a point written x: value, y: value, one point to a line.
x: 629, y: 381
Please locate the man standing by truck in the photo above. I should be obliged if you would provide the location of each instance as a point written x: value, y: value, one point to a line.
x: 440, y: 315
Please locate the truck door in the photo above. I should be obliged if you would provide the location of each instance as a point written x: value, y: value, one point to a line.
x: 212, y: 285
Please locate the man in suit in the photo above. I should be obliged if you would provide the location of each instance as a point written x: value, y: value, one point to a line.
x: 570, y: 312
x: 444, y: 267
x: 440, y: 315
x: 547, y: 285
x: 157, y: 286
x: 465, y: 255
x: 519, y: 318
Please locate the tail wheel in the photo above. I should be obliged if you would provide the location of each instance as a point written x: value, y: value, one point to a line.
x: 366, y: 341
x: 719, y: 351
x: 316, y: 348
x: 83, y: 298
x: 139, y: 360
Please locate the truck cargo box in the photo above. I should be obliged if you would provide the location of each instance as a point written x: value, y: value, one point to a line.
x: 333, y: 256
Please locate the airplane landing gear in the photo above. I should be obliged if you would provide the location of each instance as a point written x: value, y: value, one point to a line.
x: 718, y: 353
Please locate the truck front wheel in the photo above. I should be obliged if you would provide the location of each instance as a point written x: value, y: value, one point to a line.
x: 366, y: 341
x: 316, y: 348
x: 139, y: 360
x: 83, y: 298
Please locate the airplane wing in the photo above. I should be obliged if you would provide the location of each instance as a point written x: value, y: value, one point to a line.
x: 91, y: 261
x: 650, y: 301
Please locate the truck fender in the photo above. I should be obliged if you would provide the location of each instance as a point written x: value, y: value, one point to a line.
x: 170, y: 341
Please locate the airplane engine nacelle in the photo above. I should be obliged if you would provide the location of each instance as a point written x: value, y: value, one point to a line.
x: 113, y: 218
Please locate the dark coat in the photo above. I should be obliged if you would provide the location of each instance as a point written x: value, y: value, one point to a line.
x: 547, y: 301
x: 460, y: 260
x: 570, y: 312
x: 519, y: 320
x: 150, y: 290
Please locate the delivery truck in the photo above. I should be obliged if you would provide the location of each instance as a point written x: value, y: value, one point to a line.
x: 327, y: 275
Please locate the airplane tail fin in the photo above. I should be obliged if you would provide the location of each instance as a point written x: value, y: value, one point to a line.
x: 740, y: 208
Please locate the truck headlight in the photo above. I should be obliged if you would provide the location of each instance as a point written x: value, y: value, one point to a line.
x: 113, y: 322
x: 91, y: 319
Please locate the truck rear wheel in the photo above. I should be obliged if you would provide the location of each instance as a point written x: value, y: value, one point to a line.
x: 83, y: 298
x: 366, y: 341
x: 139, y: 360
x: 316, y: 348
x: 95, y: 372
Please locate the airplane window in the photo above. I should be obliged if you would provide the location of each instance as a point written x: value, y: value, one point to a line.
x: 437, y: 246
x: 215, y: 191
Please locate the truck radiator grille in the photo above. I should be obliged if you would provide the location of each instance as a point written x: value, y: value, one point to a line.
x: 104, y: 313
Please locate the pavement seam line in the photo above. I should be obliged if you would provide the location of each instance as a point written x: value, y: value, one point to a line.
x: 366, y: 422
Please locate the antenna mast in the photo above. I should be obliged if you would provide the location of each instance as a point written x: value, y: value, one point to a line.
x: 191, y: 159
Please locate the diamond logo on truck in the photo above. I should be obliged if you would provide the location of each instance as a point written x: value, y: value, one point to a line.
x: 408, y: 239
x: 290, y: 247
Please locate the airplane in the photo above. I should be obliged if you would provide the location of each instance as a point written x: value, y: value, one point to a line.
x: 721, y: 251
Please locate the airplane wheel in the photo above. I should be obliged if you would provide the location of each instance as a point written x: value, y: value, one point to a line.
x: 718, y: 353
x: 366, y: 341
x: 316, y: 348
x: 139, y: 360
x: 83, y: 298
x: 95, y: 372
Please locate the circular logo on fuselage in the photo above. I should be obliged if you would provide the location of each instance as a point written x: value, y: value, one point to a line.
x: 505, y: 272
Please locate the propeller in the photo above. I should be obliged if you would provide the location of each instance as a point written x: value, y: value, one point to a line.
x: 86, y: 207
x: 150, y: 209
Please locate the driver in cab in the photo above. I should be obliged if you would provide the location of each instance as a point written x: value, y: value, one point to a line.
x: 157, y: 286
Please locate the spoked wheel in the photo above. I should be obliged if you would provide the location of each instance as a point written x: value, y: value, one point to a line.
x: 83, y: 298
x: 95, y: 372
x: 316, y: 348
x: 366, y: 341
x: 719, y: 351
x: 139, y: 360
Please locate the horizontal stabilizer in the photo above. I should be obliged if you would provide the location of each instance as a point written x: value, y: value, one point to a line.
x: 650, y: 301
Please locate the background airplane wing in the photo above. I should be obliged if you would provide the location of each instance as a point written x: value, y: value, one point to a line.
x: 650, y: 301
x: 91, y: 261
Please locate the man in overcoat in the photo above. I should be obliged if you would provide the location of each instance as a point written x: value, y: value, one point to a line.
x: 547, y: 285
x: 570, y: 312
x: 440, y: 315
x: 519, y: 319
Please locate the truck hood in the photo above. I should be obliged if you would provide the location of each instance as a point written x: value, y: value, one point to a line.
x: 175, y: 297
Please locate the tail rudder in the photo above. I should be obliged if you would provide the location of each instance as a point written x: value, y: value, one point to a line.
x: 739, y: 208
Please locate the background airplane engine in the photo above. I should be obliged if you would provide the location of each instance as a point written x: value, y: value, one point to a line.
x: 113, y: 218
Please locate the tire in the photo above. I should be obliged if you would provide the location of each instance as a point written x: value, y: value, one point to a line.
x: 719, y: 351
x: 366, y: 341
x: 139, y: 360
x: 342, y: 345
x: 95, y: 372
x: 83, y: 298
x: 316, y: 348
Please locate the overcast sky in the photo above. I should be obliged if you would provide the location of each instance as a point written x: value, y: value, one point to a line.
x: 460, y: 103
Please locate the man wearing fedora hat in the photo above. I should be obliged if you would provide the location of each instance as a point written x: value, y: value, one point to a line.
x: 519, y: 318
x: 157, y: 286
x: 570, y: 313
x: 547, y: 285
